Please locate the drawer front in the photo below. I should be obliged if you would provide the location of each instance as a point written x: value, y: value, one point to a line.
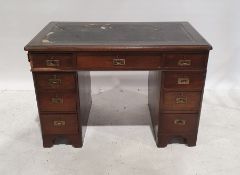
x: 59, y: 124
x: 55, y: 81
x: 113, y: 62
x: 178, y: 123
x: 60, y: 102
x: 181, y: 101
x: 53, y: 61
x: 175, y: 80
x: 185, y: 61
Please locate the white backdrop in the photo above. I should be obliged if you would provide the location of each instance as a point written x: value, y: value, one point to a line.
x: 217, y: 20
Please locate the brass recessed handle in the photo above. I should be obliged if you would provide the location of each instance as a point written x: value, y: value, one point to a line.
x: 53, y: 63
x: 181, y: 100
x: 183, y: 81
x: 118, y: 62
x: 59, y: 123
x: 180, y: 122
x: 184, y: 62
x: 57, y: 100
x: 54, y: 81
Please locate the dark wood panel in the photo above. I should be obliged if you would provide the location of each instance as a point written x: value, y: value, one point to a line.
x: 85, y: 99
x: 59, y: 124
x: 57, y: 101
x: 55, y: 81
x: 154, y: 89
x: 183, y: 80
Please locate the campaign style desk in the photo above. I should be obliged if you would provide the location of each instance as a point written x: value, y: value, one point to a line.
x: 63, y: 54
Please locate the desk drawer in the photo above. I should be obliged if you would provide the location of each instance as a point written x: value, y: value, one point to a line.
x: 55, y: 81
x: 118, y: 62
x: 53, y: 61
x: 184, y: 80
x: 185, y: 61
x: 59, y: 124
x: 181, y: 101
x: 178, y: 123
x: 57, y: 102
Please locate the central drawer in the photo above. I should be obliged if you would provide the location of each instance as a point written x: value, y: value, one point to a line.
x: 105, y: 61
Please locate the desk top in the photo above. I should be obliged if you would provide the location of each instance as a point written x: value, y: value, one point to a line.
x: 117, y: 36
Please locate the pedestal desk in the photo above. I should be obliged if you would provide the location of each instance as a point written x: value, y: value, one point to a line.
x: 63, y: 54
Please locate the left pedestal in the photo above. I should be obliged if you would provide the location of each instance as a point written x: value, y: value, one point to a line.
x: 64, y: 102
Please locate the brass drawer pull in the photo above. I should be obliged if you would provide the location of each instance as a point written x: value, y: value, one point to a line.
x: 184, y: 63
x: 181, y: 100
x: 183, y: 81
x: 53, y: 63
x: 118, y: 62
x: 180, y: 122
x: 54, y: 82
x: 59, y: 123
x: 57, y: 100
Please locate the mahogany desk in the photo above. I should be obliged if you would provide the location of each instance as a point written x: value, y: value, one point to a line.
x: 63, y: 54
